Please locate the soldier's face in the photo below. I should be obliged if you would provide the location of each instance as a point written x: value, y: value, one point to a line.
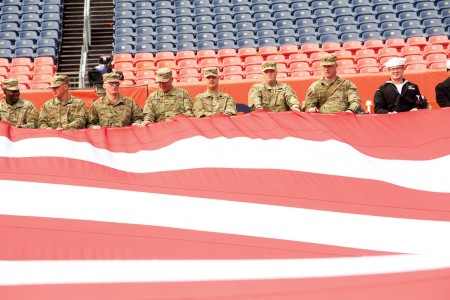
x: 212, y: 82
x: 112, y: 88
x: 270, y: 76
x: 165, y: 86
x: 329, y: 72
x: 11, y: 96
x: 60, y: 91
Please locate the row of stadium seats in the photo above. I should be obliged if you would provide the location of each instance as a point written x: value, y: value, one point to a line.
x: 142, y: 26
x: 31, y: 74
x: 292, y: 61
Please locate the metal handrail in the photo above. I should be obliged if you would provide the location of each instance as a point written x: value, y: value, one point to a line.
x: 86, y: 43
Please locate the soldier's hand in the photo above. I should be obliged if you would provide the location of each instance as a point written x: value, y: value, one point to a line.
x: 296, y: 109
x: 144, y: 123
x: 96, y: 127
x: 313, y: 109
x: 348, y: 111
x: 135, y: 124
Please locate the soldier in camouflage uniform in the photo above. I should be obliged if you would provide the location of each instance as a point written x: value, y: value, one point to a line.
x: 113, y: 109
x: 213, y: 102
x: 168, y: 101
x: 63, y: 111
x: 271, y: 94
x: 332, y: 94
x: 16, y: 111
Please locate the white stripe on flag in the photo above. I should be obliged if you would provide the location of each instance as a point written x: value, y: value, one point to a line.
x: 329, y: 157
x: 306, y: 225
x: 115, y: 271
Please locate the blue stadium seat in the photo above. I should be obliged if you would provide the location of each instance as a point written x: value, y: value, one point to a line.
x: 50, y: 34
x: 182, y: 3
x: 413, y: 32
x: 263, y: 25
x: 165, y: 38
x: 325, y: 21
x: 31, y: 9
x: 267, y: 41
x: 430, y: 31
x: 443, y: 4
x: 411, y: 24
x: 25, y: 44
x: 389, y: 26
x: 124, y: 14
x: 144, y: 13
x: 363, y: 10
x: 223, y: 44
x: 222, y: 10
x: 206, y: 45
x: 319, y: 4
x: 241, y: 9
x: 37, y: 2
x: 6, y: 53
x: 405, y: 16
x: 428, y: 23
x: 279, y: 7
x: 164, y: 30
x: 29, y: 35
x: 10, y: 18
x: 6, y: 44
x: 48, y: 17
x: 202, y: 3
x: 262, y: 16
x: 305, y: 23
x: 281, y: 24
x: 223, y: 19
x: 184, y: 20
x: 429, y: 14
x: 24, y: 52
x: 389, y: 34
x: 207, y: 28
x: 12, y: 9
x: 287, y: 40
x: 349, y: 36
x: 245, y: 34
x: 140, y: 48
x: 163, y: 4
x: 244, y: 26
x: 186, y: 46
x: 302, y: 14
x: 216, y: 3
x: 265, y: 33
x: 243, y: 18
x: 405, y: 7
x: 165, y: 47
x: 51, y: 25
x: 10, y: 26
x: 299, y: 5
x: 9, y: 35
x: 54, y: 2
x: 306, y: 31
x: 347, y: 28
x: 32, y: 17
x: 372, y: 35
x: 282, y: 15
x: 308, y: 39
x: 206, y: 36
x: 426, y: 5
x: 329, y: 37
x: 128, y: 23
x: 357, y: 3
x: 160, y: 21
x: 343, y: 11
x: 143, y: 30
x: 381, y: 2
x: 123, y: 5
x: 179, y: 29
x: 387, y: 17
x: 246, y: 43
x: 323, y: 12
x: 46, y: 51
x: 164, y: 13
x: 366, y: 19
x: 225, y: 35
x: 124, y: 40
x: 445, y: 13
x: 368, y: 27
x: 345, y: 20
x: 286, y: 32
x: 326, y: 30
x: 340, y: 3
x: 182, y: 11
x: 383, y: 9
x: 143, y: 5
x: 51, y: 8
x: 145, y: 39
x: 47, y: 43
x: 12, y: 2
x: 204, y: 20
x: 124, y: 31
x: 240, y: 3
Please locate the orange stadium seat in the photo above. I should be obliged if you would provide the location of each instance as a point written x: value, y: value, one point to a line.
x: 387, y: 52
x: 300, y: 73
x: 124, y: 66
x: 254, y: 76
x: 278, y: 58
x: 44, y: 69
x: 419, y: 41
x: 252, y: 69
x: 122, y: 57
x: 288, y: 50
x: 232, y: 77
x: 39, y: 86
x: 331, y: 47
x: 209, y: 62
x: 185, y: 54
x: 247, y: 51
x: 206, y: 54
x: 189, y: 72
x: 395, y: 43
x: 231, y: 61
x: 352, y: 46
x: 19, y: 70
x: 298, y: 57
x: 346, y: 71
x: 267, y: 50
x: 164, y: 56
x: 299, y: 66
x: 438, y: 66
x: 367, y: 62
x: 316, y: 56
x: 414, y: 59
x: 44, y: 60
x: 37, y: 78
x: 436, y: 58
x: 369, y: 70
x: 343, y: 54
x: 416, y: 67
x: 187, y: 64
x: 232, y: 70
x: 22, y: 61
x: 144, y: 56
x: 375, y: 44
x: 433, y: 49
x: 410, y: 50
x: 145, y: 81
x: 145, y: 74
x: 253, y: 60
x: 225, y: 53
x: 438, y: 39
x: 345, y: 64
x: 365, y: 53
x: 170, y: 64
x: 189, y: 79
x: 309, y: 48
x: 145, y: 65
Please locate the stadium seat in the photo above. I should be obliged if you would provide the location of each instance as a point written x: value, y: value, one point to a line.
x: 14, y: 71
x: 123, y: 48
x: 42, y: 78
x: 267, y: 50
x: 352, y: 46
x: 226, y: 44
x: 408, y: 33
x: 438, y: 40
x: 299, y: 66
x: 345, y: 64
x: 432, y: 31
x: 410, y: 50
x: 309, y: 48
x: 345, y: 20
x: 438, y: 66
x: 306, y: 31
x: 430, y: 14
x: 366, y: 62
x: 414, y: 59
x: 364, y: 70
x: 371, y: 36
x: 143, y: 48
x: 344, y: 71
x: 24, y: 52
x: 231, y: 61
x: 225, y: 53
x: 145, y: 74
x: 408, y: 16
x: 25, y: 44
x: 349, y: 37
x: 253, y: 60
x: 43, y: 61
x: 22, y: 61
x: 253, y: 69
x: 300, y: 73
x: 416, y: 67
x: 302, y: 14
x: 47, y: 17
x: 6, y: 44
x: 331, y: 47
x: 9, y: 36
x: 387, y: 52
x: 364, y: 10
x: 10, y: 26
x: 329, y: 38
x: 343, y: 54
x: 284, y: 16
x: 433, y: 49
x: 420, y: 41
x: 436, y: 58
x: 316, y: 57
x: 365, y: 53
x: 46, y: 51
x: 189, y: 72
x: 288, y: 49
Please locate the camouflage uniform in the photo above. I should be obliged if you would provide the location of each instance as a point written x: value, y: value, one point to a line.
x: 209, y: 104
x: 278, y: 97
x: 161, y: 106
x: 345, y: 97
x: 122, y: 113
x: 68, y: 115
x: 21, y: 114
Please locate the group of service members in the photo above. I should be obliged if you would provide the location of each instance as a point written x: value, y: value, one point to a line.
x: 330, y: 94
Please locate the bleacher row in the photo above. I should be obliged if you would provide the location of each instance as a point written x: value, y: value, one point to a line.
x: 30, y: 39
x: 292, y: 61
x: 154, y: 26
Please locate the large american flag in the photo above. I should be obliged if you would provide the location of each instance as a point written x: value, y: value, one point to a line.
x: 258, y: 206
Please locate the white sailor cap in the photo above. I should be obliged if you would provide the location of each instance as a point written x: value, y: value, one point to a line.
x: 448, y: 64
x: 395, y: 61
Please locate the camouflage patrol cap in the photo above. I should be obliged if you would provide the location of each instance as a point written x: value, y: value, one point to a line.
x: 111, y: 77
x: 10, y: 84
x: 210, y: 72
x: 163, y: 75
x: 328, y: 60
x: 59, y: 80
x: 269, y: 65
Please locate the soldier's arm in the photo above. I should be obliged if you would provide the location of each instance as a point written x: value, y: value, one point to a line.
x: 187, y: 105
x: 353, y: 97
x: 230, y: 108
x: 43, y: 119
x: 149, y: 113
x: 80, y: 118
x: 254, y: 98
x: 311, y: 100
x: 197, y: 107
x: 291, y: 98
x: 136, y: 113
x: 93, y: 120
x: 31, y: 117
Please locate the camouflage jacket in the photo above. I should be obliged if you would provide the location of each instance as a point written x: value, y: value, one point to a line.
x: 208, y: 104
x: 161, y: 106
x: 122, y: 113
x: 346, y: 97
x: 280, y: 97
x: 23, y: 114
x: 69, y: 115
